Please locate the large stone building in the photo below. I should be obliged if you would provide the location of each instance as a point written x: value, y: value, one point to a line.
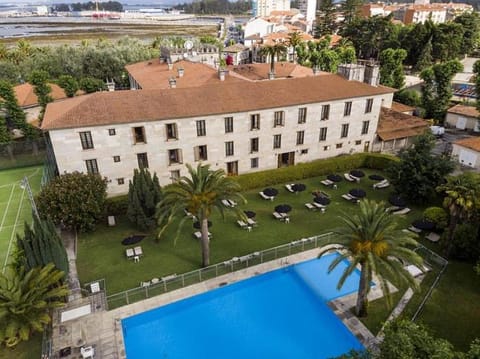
x: 237, y: 125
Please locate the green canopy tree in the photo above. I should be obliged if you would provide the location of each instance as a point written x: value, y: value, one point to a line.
x: 391, y: 68
x: 418, y: 173
x: 200, y: 193
x: 462, y: 199
x: 476, y: 71
x: 371, y: 240
x: 90, y: 84
x: 26, y: 299
x: 39, y: 79
x: 326, y: 21
x: 143, y: 195
x: 75, y: 200
x: 41, y: 245
x: 6, y: 137
x: 470, y: 24
x: 351, y: 10
x: 425, y: 59
x: 294, y: 40
x: 69, y: 84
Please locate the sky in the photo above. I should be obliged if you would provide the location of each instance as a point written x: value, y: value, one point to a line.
x: 51, y: 2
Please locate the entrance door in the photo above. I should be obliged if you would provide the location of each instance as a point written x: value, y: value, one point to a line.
x: 232, y: 168
x: 461, y: 123
x: 366, y: 145
x: 286, y: 159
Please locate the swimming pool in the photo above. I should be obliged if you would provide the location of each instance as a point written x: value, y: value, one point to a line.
x: 280, y: 314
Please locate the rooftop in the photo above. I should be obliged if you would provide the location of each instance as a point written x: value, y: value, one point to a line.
x: 259, y: 71
x: 471, y: 142
x: 469, y: 111
x: 400, y: 107
x: 26, y: 96
x: 396, y: 125
x: 104, y: 108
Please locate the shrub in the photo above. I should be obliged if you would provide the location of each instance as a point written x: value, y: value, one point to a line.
x: 314, y: 169
x: 438, y: 215
x: 116, y: 206
x: 465, y: 243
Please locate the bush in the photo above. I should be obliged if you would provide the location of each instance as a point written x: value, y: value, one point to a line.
x: 314, y: 169
x: 437, y: 215
x: 116, y: 206
x: 465, y: 243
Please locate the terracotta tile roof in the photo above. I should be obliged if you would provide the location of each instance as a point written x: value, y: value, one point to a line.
x: 26, y: 97
x: 277, y: 37
x: 155, y: 75
x: 472, y: 142
x: 400, y: 107
x: 117, y: 107
x: 396, y: 125
x: 235, y: 48
x: 469, y: 111
x: 259, y: 71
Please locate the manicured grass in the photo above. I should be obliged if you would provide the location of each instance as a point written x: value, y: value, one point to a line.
x: 101, y: 255
x: 25, y: 350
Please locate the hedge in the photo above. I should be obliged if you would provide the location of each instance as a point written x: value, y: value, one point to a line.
x: 116, y: 206
x: 314, y: 169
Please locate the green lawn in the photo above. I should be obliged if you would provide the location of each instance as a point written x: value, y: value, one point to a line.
x: 25, y: 350
x: 101, y: 255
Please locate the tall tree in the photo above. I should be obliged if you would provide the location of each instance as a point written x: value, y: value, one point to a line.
x: 447, y: 41
x: 294, y: 40
x: 274, y: 51
x: 476, y: 71
x: 42, y: 89
x: 351, y: 10
x: 41, y: 245
x: 470, y: 23
x: 143, y: 195
x: 6, y: 137
x: 437, y: 89
x: 327, y: 19
x: 200, y: 193
x: 391, y: 68
x: 26, y: 299
x: 418, y: 172
x: 425, y: 59
x: 462, y: 199
x: 69, y: 84
x: 370, y: 239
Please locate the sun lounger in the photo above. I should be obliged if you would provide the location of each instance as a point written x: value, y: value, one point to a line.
x: 278, y: 216
x: 318, y: 205
x: 381, y: 184
x: 350, y: 178
x: 264, y: 196
x: 392, y: 209
x: 357, y: 179
x: 347, y: 196
x: 251, y: 222
x: 138, y: 251
x: 433, y: 237
x: 232, y: 203
x: 242, y: 224
x: 310, y: 206
x: 414, y: 229
x: 402, y: 211
x: 416, y: 271
x: 226, y: 202
x: 129, y: 253
x: 327, y: 182
x: 198, y: 235
x: 289, y: 188
x: 87, y: 352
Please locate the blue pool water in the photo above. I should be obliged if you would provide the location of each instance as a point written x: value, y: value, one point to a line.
x: 280, y: 314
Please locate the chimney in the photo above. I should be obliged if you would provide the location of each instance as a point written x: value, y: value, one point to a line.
x: 271, y: 75
x: 221, y: 74
x: 316, y: 70
x: 372, y: 74
x: 172, y: 82
x: 352, y: 72
x: 180, y: 71
x: 170, y: 66
x: 110, y: 85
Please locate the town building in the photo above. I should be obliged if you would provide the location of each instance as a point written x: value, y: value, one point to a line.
x: 237, y: 125
x: 463, y: 118
x: 467, y: 152
x: 265, y: 7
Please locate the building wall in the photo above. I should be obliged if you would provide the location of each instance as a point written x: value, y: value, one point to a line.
x: 471, y: 123
x: 308, y: 8
x: 456, y: 151
x: 71, y: 157
x: 265, y: 7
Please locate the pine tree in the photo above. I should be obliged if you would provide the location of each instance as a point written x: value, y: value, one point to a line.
x: 425, y: 59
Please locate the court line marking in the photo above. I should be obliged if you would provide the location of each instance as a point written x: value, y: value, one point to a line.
x: 6, y: 209
x: 13, y: 231
x: 29, y: 176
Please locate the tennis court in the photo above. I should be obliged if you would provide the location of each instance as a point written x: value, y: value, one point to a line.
x: 15, y: 206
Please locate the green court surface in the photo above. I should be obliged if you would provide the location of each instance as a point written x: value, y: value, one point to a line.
x: 15, y: 206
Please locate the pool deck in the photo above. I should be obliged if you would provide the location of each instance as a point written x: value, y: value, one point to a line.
x: 103, y: 330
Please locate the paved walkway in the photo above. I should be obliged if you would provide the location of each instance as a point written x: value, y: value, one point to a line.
x: 69, y: 241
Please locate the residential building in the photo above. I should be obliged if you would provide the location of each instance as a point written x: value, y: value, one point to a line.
x: 308, y: 8
x: 463, y: 118
x: 236, y: 54
x: 238, y: 126
x: 400, y: 107
x: 467, y: 152
x: 265, y: 7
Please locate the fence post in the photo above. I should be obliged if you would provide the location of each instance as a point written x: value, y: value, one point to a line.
x: 126, y: 297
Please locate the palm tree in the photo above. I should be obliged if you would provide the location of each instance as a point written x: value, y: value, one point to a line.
x: 26, y: 299
x: 199, y: 194
x: 294, y: 39
x: 370, y: 240
x: 273, y: 51
x: 461, y: 200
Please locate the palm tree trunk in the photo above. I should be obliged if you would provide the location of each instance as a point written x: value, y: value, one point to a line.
x: 451, y: 233
x: 272, y: 64
x: 205, y: 244
x: 362, y: 300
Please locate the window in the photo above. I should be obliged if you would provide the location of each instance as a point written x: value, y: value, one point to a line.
x: 348, y: 108
x: 325, y: 112
x: 120, y: 181
x: 300, y: 137
x: 277, y: 141
x: 92, y: 166
x: 111, y: 132
x: 255, y: 122
x: 365, y: 125
x: 254, y: 162
x: 323, y: 134
x: 229, y: 148
x: 142, y: 160
x: 358, y: 142
x: 86, y: 140
x: 172, y: 133
x: 200, y: 153
x: 339, y: 145
x: 228, y: 124
x: 326, y: 148
x: 278, y: 118
x: 344, y: 130
x: 254, y: 145
x: 368, y: 105
x: 304, y: 151
x: 175, y: 175
x: 302, y: 115
x: 139, y: 135
x: 116, y: 158
x: 174, y: 156
x: 201, y: 130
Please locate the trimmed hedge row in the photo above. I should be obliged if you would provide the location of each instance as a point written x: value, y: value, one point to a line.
x: 314, y: 169
x: 116, y: 206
